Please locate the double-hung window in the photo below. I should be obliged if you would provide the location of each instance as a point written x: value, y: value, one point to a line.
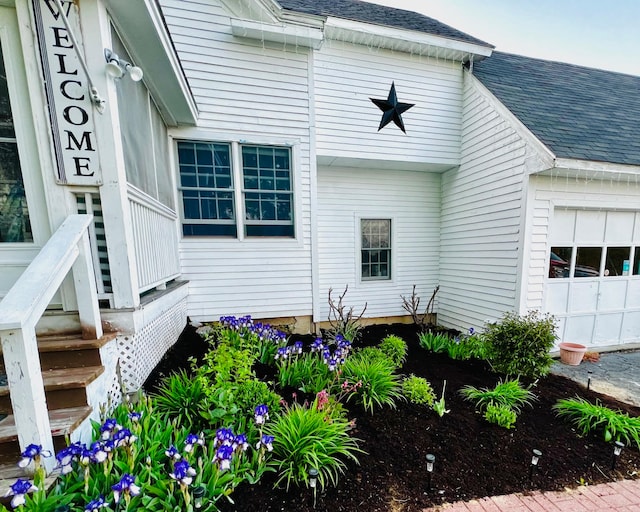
x: 375, y: 252
x: 254, y: 197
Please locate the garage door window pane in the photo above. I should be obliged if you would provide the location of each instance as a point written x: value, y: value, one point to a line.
x: 617, y: 262
x: 588, y: 262
x: 636, y: 264
x: 559, y: 262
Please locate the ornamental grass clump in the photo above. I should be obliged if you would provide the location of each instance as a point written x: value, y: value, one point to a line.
x: 587, y: 418
x: 502, y: 404
x: 520, y: 345
x: 380, y: 385
x: 311, y: 437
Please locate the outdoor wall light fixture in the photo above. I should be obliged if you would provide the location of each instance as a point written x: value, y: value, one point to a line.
x: 198, y: 497
x: 617, y: 450
x: 431, y: 459
x: 117, y: 67
x: 534, y: 462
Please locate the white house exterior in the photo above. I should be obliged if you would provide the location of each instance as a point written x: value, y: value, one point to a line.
x: 249, y: 172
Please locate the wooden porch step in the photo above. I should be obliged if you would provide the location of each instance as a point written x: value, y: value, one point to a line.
x: 64, y: 387
x: 70, y: 351
x: 63, y: 423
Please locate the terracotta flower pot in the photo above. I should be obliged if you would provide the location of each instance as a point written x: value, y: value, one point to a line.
x: 572, y: 353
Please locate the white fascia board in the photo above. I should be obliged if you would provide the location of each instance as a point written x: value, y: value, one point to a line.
x: 402, y: 40
x: 264, y: 11
x: 595, y: 169
x: 295, y: 35
x: 142, y: 27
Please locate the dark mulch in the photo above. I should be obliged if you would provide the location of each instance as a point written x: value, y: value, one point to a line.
x: 473, y: 458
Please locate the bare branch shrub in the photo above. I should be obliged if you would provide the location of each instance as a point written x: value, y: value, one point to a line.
x: 412, y: 306
x: 344, y: 321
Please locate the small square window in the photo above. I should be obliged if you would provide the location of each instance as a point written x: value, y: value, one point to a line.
x: 375, y: 249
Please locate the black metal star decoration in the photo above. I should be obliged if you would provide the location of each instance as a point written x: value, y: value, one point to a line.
x: 391, y: 109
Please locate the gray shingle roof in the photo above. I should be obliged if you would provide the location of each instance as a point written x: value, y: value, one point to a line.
x: 366, y: 12
x: 577, y: 112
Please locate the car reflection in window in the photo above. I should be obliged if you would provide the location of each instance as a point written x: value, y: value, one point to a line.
x: 559, y: 268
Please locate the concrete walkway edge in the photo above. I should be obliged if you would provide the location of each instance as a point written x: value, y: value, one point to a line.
x: 620, y: 496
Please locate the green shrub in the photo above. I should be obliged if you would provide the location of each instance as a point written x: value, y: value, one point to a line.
x: 519, y: 345
x: 395, y: 348
x: 436, y: 343
x: 373, y: 354
x: 247, y: 395
x: 501, y: 415
x: 183, y: 399
x: 418, y: 391
x: 508, y: 393
x: 588, y: 417
x: 303, y: 439
x: 380, y: 385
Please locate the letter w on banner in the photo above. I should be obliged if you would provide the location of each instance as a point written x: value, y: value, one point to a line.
x: 70, y: 109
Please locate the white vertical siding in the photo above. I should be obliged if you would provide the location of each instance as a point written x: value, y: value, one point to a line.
x: 348, y: 75
x: 482, y: 204
x: 247, y: 91
x: 412, y: 201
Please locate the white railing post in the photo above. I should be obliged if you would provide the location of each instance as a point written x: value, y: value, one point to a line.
x: 86, y: 291
x: 24, y: 376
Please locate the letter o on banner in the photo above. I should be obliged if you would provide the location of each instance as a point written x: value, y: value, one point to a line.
x: 67, y: 114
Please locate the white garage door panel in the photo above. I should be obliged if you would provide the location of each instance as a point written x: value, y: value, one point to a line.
x: 563, y: 227
x: 590, y: 226
x: 584, y: 296
x: 607, y: 328
x: 579, y: 329
x: 631, y: 326
x: 612, y: 294
x: 633, y: 295
x: 557, y: 296
x: 619, y: 228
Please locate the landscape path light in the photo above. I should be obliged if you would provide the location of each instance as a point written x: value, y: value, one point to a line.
x: 589, y: 373
x: 198, y: 497
x: 617, y: 450
x: 313, y: 483
x: 430, y: 462
x: 535, y: 458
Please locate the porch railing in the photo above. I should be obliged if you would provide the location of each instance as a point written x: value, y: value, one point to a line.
x: 67, y: 250
x: 155, y: 239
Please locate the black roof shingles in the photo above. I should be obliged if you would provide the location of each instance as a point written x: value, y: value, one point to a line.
x: 577, y: 112
x: 357, y: 10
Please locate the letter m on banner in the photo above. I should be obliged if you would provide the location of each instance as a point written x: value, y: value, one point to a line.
x: 70, y: 109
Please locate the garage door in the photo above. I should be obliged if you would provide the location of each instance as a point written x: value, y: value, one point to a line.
x: 593, y: 280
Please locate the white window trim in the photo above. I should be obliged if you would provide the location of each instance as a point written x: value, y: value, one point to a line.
x: 358, y: 218
x: 200, y: 135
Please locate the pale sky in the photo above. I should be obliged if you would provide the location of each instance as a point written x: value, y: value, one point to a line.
x: 596, y: 33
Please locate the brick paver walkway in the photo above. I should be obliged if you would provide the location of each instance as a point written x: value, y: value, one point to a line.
x: 622, y: 496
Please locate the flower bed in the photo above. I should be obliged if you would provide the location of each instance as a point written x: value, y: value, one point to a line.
x: 221, y: 433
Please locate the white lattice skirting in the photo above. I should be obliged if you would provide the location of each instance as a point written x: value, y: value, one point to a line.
x: 142, y: 351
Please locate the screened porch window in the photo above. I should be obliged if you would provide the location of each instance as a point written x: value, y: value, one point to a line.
x: 14, y: 214
x: 375, y: 249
